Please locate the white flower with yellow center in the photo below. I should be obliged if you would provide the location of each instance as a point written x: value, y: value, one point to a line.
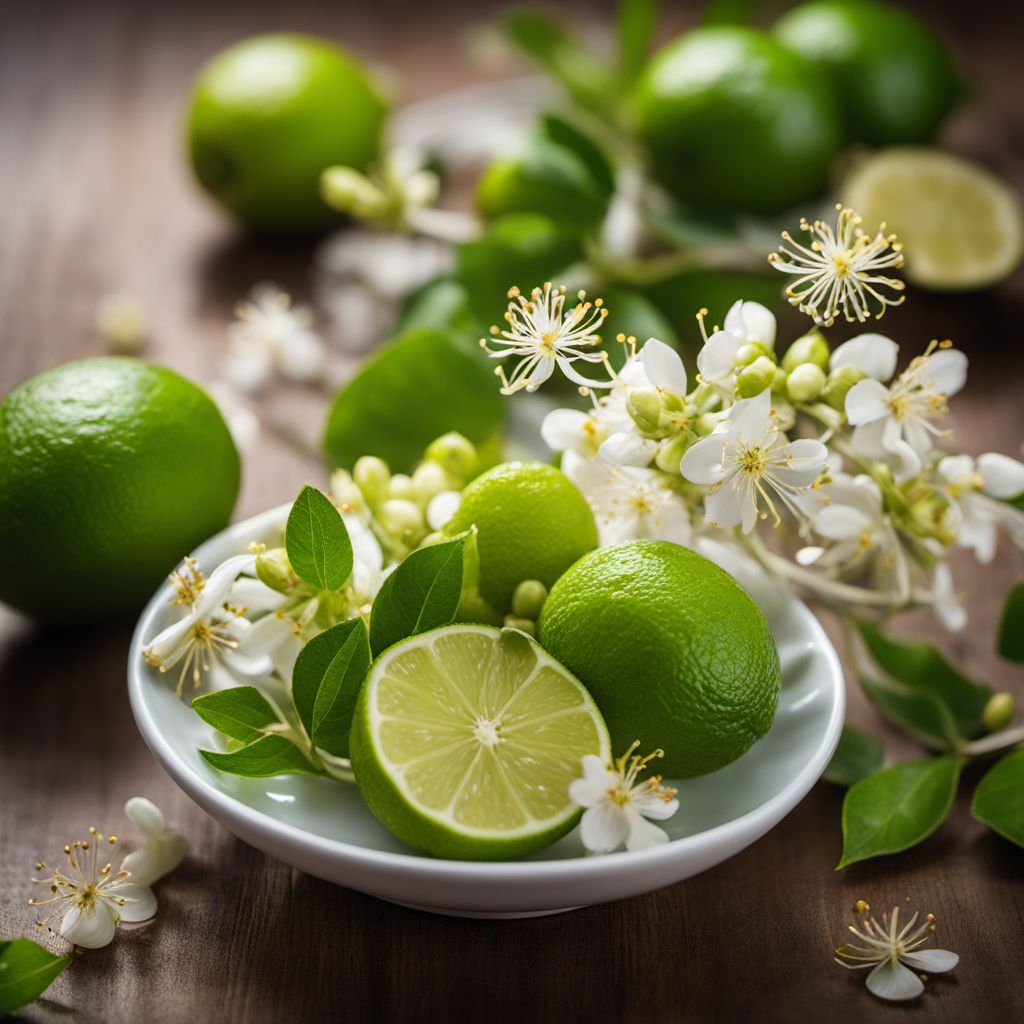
x: 162, y: 849
x: 895, y: 423
x: 746, y: 323
x: 545, y: 335
x: 893, y: 953
x: 629, y: 502
x: 270, y: 334
x: 979, y: 492
x: 617, y: 806
x: 212, y: 629
x: 747, y: 460
x: 839, y: 272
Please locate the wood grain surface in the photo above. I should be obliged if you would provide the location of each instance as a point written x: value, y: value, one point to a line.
x: 96, y: 199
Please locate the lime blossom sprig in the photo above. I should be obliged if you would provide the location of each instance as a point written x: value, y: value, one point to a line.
x: 893, y: 953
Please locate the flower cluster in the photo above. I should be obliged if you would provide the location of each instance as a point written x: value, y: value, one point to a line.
x: 835, y: 442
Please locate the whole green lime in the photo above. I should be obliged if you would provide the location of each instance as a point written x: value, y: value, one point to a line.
x: 111, y: 470
x: 733, y: 120
x: 673, y: 650
x: 532, y: 524
x: 268, y: 115
x: 893, y: 76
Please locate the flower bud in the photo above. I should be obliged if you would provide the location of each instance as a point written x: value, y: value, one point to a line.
x: 805, y: 382
x: 644, y: 406
x: 811, y: 348
x: 402, y: 488
x: 528, y: 599
x: 999, y: 711
x: 526, y: 625
x: 429, y: 479
x: 400, y: 518
x: 344, y: 491
x: 839, y: 383
x: 273, y: 569
x: 671, y: 452
x: 756, y: 377
x: 372, y: 476
x: 706, y: 423
x: 454, y: 453
x: 746, y: 354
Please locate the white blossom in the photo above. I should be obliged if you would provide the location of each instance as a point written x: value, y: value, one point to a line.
x: 979, y: 491
x: 162, y: 849
x: 873, y: 354
x: 946, y: 604
x: 745, y: 323
x: 617, y: 806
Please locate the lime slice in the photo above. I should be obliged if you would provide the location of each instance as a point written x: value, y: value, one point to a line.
x: 465, y: 741
x: 961, y: 226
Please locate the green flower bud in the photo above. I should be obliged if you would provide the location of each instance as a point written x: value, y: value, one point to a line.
x: 344, y: 491
x: 811, y: 348
x: 372, y: 476
x: 999, y: 711
x: 274, y: 569
x: 526, y: 625
x: 402, y: 488
x: 644, y: 406
x: 429, y: 479
x: 528, y: 599
x: 454, y: 453
x: 756, y: 377
x: 401, y: 519
x: 706, y: 423
x: 839, y: 383
x: 805, y: 382
x: 750, y: 351
x: 669, y: 454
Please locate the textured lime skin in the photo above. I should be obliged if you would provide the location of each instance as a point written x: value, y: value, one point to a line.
x: 268, y: 115
x: 110, y: 471
x: 673, y: 650
x: 532, y: 524
x: 733, y: 120
x: 894, y: 78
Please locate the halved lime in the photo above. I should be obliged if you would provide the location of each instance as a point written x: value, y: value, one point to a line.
x: 466, y: 738
x: 961, y: 226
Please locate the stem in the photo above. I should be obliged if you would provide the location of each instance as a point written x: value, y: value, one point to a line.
x: 996, y: 741
x: 448, y: 226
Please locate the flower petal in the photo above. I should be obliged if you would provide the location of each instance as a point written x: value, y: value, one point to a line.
x: 750, y: 419
x: 867, y: 401
x: 604, y: 827
x: 643, y: 834
x: 140, y: 903
x: 840, y: 522
x: 1003, y: 476
x: 947, y: 370
x: 594, y: 784
x: 726, y: 508
x: 891, y: 980
x: 873, y: 354
x: 663, y: 366
x: 567, y: 429
x: 955, y: 469
x: 948, y: 609
x: 442, y: 508
x: 716, y: 359
x: 146, y: 816
x: 626, y: 448
x: 702, y: 462
x: 758, y: 323
x: 219, y: 584
x: 931, y: 961
x: 91, y: 929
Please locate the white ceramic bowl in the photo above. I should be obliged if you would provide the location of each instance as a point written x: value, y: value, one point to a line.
x: 324, y: 828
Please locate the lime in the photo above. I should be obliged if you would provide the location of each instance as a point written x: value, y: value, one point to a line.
x: 421, y: 385
x: 894, y: 78
x: 532, y: 524
x: 466, y: 738
x: 110, y: 471
x: 268, y: 115
x: 961, y: 226
x: 734, y: 120
x: 673, y: 650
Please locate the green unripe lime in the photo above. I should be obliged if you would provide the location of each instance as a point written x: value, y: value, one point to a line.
x: 111, y: 470
x: 268, y: 115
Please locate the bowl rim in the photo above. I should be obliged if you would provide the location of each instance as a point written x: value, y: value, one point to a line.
x: 752, y: 823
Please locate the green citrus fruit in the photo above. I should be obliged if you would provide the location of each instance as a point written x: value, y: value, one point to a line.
x: 110, y: 471
x: 532, y: 524
x: 465, y: 740
x: 894, y: 78
x: 961, y: 226
x: 268, y: 115
x: 673, y: 650
x: 733, y: 120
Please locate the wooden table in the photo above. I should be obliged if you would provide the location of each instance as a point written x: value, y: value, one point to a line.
x: 96, y: 199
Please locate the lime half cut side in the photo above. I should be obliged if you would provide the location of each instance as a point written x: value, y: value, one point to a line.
x: 466, y: 739
x: 961, y: 226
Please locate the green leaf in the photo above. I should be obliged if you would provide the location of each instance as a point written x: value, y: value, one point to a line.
x: 26, y: 972
x: 921, y: 667
x: 897, y: 807
x: 317, y: 542
x: 999, y: 798
x: 422, y: 385
x: 857, y: 756
x: 325, y: 683
x: 422, y: 593
x: 242, y: 712
x: 922, y: 713
x: 636, y: 23
x: 550, y: 46
x: 561, y: 130
x: 269, y: 755
x: 1011, y: 626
